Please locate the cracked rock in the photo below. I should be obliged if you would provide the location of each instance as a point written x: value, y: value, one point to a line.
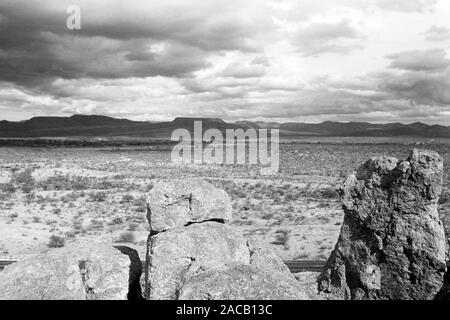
x: 177, y: 203
x: 392, y: 243
x: 80, y: 271
x: 177, y: 254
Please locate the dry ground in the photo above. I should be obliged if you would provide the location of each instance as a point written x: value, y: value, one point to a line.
x: 49, y: 196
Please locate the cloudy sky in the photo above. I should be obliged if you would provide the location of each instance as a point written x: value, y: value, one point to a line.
x: 283, y: 60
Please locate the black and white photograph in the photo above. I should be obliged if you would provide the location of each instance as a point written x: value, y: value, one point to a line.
x: 225, y: 150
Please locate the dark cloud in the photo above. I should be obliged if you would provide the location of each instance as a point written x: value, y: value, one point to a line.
x: 419, y: 87
x: 172, y: 39
x: 428, y: 60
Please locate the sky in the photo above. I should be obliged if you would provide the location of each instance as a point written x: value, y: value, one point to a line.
x: 278, y: 60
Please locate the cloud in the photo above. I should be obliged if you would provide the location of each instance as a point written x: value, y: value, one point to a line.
x: 234, y: 59
x: 237, y: 70
x: 436, y: 33
x: 420, y: 88
x: 138, y: 40
x: 318, y: 38
x: 408, y: 5
x: 428, y: 60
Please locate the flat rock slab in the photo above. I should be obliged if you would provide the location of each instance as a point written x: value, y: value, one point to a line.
x: 77, y: 272
x: 241, y: 282
x: 178, y: 254
x: 177, y: 203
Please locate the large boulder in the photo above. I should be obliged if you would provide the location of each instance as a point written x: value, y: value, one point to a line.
x: 177, y: 254
x: 392, y: 242
x: 241, y: 282
x: 193, y: 254
x: 177, y: 203
x: 81, y: 271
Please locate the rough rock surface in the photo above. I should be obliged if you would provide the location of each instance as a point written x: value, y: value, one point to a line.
x: 241, y: 282
x: 176, y: 254
x: 266, y: 259
x: 177, y: 203
x: 82, y: 271
x: 392, y: 242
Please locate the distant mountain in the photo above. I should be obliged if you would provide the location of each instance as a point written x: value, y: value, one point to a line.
x: 102, y: 126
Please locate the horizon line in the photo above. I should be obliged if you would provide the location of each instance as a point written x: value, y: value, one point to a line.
x: 226, y: 121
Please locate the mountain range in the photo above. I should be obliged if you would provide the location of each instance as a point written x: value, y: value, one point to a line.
x: 103, y: 126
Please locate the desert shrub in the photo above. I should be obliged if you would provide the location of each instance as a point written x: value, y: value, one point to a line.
x: 13, y: 216
x: 302, y: 256
x: 7, y: 187
x: 70, y: 234
x: 329, y: 193
x: 117, y: 220
x: 24, y: 177
x: 291, y: 196
x: 98, y: 196
x: 126, y: 237
x: 27, y: 188
x: 106, y: 184
x: 80, y: 183
x: 133, y: 226
x: 267, y: 216
x: 127, y: 198
x: 139, y: 218
x: 140, y: 204
x: 57, y: 182
x: 323, y: 205
x: 56, y: 242
x: 282, y: 237
x: 96, y: 224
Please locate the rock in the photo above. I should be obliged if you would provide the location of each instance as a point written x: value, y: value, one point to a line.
x: 392, y: 242
x: 265, y: 258
x: 241, y: 282
x: 81, y: 271
x: 177, y: 203
x: 177, y: 254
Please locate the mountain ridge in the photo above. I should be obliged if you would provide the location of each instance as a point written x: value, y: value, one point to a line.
x: 98, y: 125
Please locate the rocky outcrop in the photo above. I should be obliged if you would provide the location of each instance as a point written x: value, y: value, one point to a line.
x: 392, y: 242
x: 80, y: 271
x: 193, y: 254
x: 177, y: 203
